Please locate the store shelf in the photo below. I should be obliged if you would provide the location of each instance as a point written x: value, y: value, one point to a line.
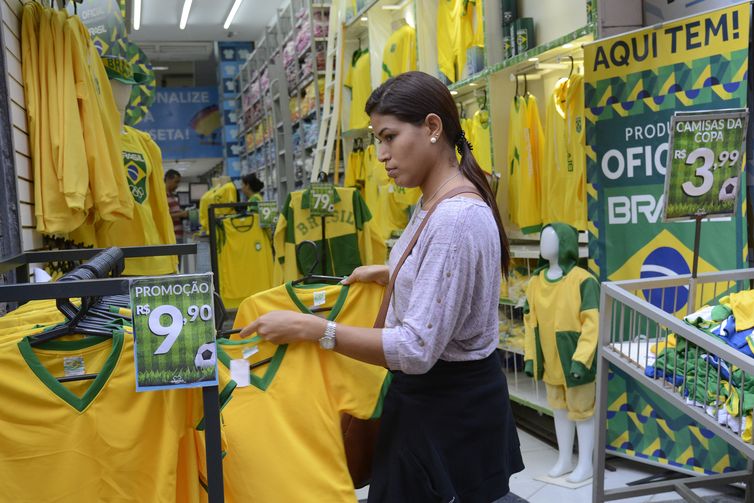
x: 320, y: 39
x: 359, y: 14
x: 531, y: 251
x: 526, y: 391
x: 356, y: 133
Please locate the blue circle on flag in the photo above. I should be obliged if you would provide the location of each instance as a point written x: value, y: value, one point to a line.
x: 661, y: 263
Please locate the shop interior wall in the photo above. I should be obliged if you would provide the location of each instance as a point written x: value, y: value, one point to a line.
x: 11, y: 19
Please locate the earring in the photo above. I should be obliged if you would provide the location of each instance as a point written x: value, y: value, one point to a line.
x: 433, y: 140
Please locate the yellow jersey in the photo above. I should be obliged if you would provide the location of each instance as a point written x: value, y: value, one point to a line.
x: 351, y: 238
x: 525, y: 154
x: 480, y: 133
x: 399, y: 55
x: 287, y: 419
x: 151, y: 223
x: 564, y: 170
x: 359, y: 80
x: 225, y: 193
x: 95, y: 440
x: 244, y: 255
x: 354, y: 169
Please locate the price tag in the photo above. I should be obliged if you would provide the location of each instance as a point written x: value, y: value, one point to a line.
x: 174, y: 332
x: 705, y: 160
x: 322, y: 199
x: 268, y: 211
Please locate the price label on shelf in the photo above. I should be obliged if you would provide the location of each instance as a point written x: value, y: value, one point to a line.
x: 705, y: 159
x: 174, y: 332
x: 322, y: 199
x: 268, y: 211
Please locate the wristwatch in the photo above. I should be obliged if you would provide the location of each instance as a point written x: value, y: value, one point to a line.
x: 328, y: 340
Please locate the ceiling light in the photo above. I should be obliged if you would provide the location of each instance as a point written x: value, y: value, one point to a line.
x: 364, y: 18
x: 232, y: 13
x: 159, y: 68
x: 568, y: 46
x: 454, y: 93
x: 137, y: 14
x: 472, y: 84
x: 533, y: 60
x: 185, y: 14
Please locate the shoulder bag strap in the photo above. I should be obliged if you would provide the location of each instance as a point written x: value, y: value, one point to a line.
x: 382, y: 314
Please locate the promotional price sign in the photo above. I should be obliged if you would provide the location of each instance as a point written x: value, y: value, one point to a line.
x: 174, y: 332
x: 706, y: 159
x: 322, y: 199
x: 268, y: 210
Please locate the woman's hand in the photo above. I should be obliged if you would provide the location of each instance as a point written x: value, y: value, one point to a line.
x: 283, y: 327
x: 379, y: 274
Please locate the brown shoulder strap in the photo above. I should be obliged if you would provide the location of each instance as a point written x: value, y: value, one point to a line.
x: 382, y: 314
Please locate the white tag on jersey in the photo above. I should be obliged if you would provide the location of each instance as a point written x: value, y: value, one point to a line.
x: 249, y: 352
x: 73, y: 366
x: 320, y: 298
x: 239, y: 372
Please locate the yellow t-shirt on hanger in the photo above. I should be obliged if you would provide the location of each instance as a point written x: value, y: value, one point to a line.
x: 451, y: 52
x: 359, y: 80
x: 399, y: 55
x: 480, y: 132
x: 525, y: 155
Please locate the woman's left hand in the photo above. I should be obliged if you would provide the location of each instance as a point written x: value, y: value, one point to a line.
x: 283, y: 327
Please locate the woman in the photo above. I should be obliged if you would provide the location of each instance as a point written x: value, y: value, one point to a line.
x: 447, y: 431
x: 252, y: 187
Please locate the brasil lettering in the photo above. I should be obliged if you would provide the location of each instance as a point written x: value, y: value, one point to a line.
x: 312, y: 223
x: 678, y: 38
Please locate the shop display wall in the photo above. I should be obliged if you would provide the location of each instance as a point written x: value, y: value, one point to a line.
x: 11, y: 19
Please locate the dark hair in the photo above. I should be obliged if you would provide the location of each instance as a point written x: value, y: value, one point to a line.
x: 171, y: 173
x: 411, y: 97
x: 254, y: 183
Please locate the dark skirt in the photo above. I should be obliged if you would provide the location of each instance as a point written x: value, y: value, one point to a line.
x: 446, y: 436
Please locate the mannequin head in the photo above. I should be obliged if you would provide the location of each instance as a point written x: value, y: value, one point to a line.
x: 549, y: 245
x: 122, y: 95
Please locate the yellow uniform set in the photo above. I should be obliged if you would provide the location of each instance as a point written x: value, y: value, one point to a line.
x: 564, y: 170
x: 151, y: 223
x: 525, y: 154
x: 351, y: 239
x: 84, y: 432
x: 292, y: 405
x: 359, y: 80
x: 562, y: 322
x: 244, y: 255
x: 399, y: 55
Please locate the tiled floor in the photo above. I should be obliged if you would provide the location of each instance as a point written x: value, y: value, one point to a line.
x: 539, y: 457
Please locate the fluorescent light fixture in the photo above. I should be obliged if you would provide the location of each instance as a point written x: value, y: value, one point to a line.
x: 364, y: 18
x: 533, y: 60
x: 454, y: 93
x: 232, y: 13
x: 159, y: 68
x: 568, y: 46
x: 185, y: 14
x: 137, y: 14
x: 472, y: 84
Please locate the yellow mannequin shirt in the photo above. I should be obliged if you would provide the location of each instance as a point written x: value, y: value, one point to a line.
x: 94, y: 440
x: 287, y: 421
x: 244, y: 258
x: 525, y: 152
x: 151, y: 223
x: 359, y: 80
x: 564, y: 171
x: 399, y: 55
x: 480, y: 127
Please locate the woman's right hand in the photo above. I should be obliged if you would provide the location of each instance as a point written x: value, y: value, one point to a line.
x: 379, y: 274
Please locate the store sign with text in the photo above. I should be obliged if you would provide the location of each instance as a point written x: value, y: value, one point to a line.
x: 704, y: 166
x: 185, y: 122
x: 174, y: 332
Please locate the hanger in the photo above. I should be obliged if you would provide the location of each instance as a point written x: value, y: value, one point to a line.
x: 256, y: 338
x: 570, y: 72
x: 311, y: 277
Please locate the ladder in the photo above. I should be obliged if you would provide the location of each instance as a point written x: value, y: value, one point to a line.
x: 329, y: 124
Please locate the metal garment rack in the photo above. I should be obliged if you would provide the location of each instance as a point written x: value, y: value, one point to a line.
x: 24, y: 292
x: 629, y: 327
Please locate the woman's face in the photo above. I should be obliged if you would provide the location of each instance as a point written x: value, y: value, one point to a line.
x: 405, y: 149
x: 246, y: 190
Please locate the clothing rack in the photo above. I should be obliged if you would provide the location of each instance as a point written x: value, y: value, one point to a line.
x: 104, y: 262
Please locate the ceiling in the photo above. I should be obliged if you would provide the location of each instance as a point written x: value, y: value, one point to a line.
x: 160, y: 18
x: 189, y: 168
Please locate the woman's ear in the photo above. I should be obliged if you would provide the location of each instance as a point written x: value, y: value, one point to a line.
x: 433, y: 123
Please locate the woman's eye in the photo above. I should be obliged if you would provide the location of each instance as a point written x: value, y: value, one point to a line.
x: 389, y: 137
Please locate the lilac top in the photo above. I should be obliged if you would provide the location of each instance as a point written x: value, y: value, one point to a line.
x: 445, y: 302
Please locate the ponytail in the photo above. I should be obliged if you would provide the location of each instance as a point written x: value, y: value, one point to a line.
x: 470, y: 169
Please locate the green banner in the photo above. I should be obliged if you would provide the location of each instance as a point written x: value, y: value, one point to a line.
x: 322, y: 199
x: 174, y: 332
x: 706, y: 157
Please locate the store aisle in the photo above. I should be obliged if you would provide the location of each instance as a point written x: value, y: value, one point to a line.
x: 539, y: 456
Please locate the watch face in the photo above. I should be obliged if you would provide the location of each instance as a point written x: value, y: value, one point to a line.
x: 327, y: 342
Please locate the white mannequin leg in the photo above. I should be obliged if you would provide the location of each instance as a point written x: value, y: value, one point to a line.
x: 585, y: 432
x: 565, y: 429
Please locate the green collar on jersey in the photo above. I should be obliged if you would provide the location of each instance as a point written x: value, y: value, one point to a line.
x: 44, y: 375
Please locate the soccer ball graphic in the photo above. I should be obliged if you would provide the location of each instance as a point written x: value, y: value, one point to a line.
x: 729, y: 189
x: 206, y: 356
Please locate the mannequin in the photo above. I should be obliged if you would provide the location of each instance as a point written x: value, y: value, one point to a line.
x: 122, y: 95
x: 575, y: 394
